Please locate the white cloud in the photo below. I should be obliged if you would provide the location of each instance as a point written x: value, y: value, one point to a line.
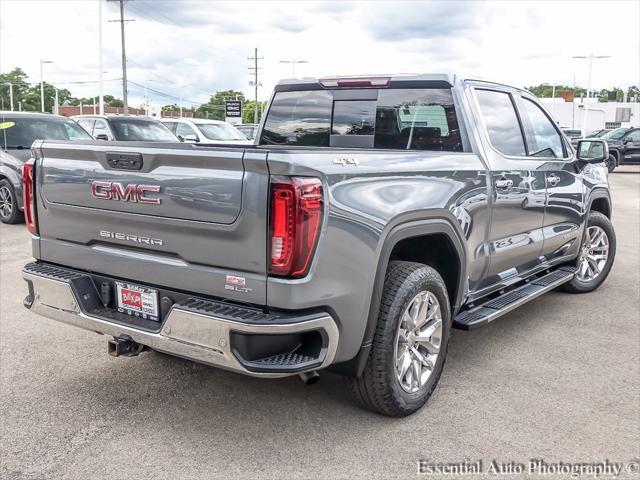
x: 198, y: 47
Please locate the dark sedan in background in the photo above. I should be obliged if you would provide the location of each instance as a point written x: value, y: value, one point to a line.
x: 17, y: 132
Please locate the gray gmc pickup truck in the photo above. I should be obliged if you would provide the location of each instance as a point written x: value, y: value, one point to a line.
x: 371, y: 216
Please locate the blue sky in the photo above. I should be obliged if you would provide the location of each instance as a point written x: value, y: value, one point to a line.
x: 196, y: 47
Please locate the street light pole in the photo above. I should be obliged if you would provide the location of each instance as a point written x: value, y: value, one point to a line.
x: 42, y: 62
x: 590, y: 57
x: 293, y: 65
x: 10, y: 95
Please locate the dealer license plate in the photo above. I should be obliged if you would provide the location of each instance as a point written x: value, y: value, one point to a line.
x: 137, y: 301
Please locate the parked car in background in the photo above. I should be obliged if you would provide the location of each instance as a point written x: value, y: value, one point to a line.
x: 202, y: 130
x: 249, y: 130
x: 605, y: 133
x: 598, y: 133
x: 17, y: 132
x: 125, y: 128
x: 624, y: 145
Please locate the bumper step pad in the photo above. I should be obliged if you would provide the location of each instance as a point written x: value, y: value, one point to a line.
x: 241, y: 338
x: 498, y: 306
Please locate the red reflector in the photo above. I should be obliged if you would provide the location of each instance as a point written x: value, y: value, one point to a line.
x: 296, y: 218
x: 28, y: 195
x: 357, y: 82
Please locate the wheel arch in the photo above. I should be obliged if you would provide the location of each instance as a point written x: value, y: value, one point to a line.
x: 616, y: 155
x: 600, y: 201
x: 400, y: 244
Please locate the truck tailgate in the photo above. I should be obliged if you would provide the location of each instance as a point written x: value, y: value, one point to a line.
x: 179, y: 216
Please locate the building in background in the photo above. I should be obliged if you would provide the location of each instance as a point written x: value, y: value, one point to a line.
x: 570, y: 114
x: 70, y: 110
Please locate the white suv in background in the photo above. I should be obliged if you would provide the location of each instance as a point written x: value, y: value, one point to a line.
x: 201, y: 130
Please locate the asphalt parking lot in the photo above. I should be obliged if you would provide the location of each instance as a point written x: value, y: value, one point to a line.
x: 558, y: 379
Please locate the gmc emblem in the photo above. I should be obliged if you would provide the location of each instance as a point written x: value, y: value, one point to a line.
x: 131, y: 193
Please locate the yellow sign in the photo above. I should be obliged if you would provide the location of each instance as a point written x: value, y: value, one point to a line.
x: 6, y: 125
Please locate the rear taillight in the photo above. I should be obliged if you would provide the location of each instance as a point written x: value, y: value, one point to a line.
x: 296, y: 219
x: 28, y: 193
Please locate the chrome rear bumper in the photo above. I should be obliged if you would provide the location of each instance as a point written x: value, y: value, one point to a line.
x: 197, y: 336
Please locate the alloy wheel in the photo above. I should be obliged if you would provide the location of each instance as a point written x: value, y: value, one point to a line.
x: 6, y: 202
x: 593, y: 255
x: 417, y: 342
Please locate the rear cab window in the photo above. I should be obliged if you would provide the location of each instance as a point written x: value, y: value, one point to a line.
x: 385, y: 118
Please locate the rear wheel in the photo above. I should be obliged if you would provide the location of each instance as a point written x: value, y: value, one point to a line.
x: 410, y: 342
x: 597, y: 253
x: 9, y: 211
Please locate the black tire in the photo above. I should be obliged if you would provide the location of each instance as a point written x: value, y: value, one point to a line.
x: 9, y: 211
x: 595, y: 219
x: 611, y: 163
x: 378, y: 388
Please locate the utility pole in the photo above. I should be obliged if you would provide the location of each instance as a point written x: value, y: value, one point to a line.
x: 589, y: 57
x: 100, y: 87
x: 124, y: 54
x: 255, y: 69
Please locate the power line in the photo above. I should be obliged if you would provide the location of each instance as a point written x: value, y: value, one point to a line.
x: 165, y: 79
x: 164, y: 94
x: 124, y: 54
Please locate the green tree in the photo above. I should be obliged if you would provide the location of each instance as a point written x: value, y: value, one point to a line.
x: 545, y: 90
x: 603, y: 95
x: 248, y: 110
x: 214, y: 108
x: 20, y: 86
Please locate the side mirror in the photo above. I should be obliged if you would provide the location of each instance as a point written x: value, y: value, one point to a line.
x: 626, y: 140
x: 102, y: 136
x: 592, y: 151
x: 188, y: 138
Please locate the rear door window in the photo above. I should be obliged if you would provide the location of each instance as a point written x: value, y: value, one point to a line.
x: 502, y: 123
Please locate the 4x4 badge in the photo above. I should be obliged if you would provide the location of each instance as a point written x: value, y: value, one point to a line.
x: 344, y: 161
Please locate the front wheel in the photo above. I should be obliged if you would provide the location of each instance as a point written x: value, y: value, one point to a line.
x: 410, y: 342
x: 596, y: 256
x: 611, y: 163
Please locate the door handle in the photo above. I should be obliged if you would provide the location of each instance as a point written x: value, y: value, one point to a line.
x: 553, y: 180
x: 504, y: 183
